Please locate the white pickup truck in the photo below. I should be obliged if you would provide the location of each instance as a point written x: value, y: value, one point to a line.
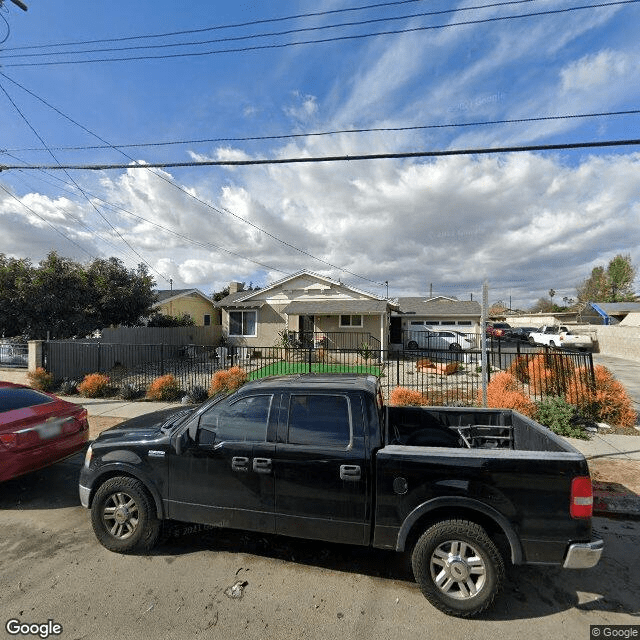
x: 560, y: 336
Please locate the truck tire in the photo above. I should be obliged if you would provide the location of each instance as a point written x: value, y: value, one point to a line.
x: 123, y: 516
x: 458, y: 567
x: 531, y: 340
x: 412, y: 344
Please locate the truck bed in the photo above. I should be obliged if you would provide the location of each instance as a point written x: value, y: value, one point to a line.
x: 469, y: 428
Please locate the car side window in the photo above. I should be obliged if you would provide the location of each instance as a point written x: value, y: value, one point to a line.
x: 322, y: 420
x: 244, y: 420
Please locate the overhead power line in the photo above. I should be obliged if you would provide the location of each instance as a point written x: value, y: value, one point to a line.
x: 192, y: 196
x: 64, y: 235
x: 236, y: 25
x: 270, y: 34
x: 324, y: 40
x: 340, y: 158
x: 285, y: 136
x: 22, y: 115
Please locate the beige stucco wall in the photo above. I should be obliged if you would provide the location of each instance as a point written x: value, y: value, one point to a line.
x: 193, y: 304
x: 271, y: 319
x: 18, y: 376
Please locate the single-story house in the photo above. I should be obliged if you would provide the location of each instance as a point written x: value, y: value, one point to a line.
x: 311, y: 309
x: 191, y: 302
x: 416, y: 313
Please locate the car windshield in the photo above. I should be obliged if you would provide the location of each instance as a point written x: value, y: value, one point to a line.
x: 12, y: 398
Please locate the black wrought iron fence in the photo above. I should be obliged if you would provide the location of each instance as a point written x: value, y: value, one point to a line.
x: 14, y: 354
x: 444, y: 376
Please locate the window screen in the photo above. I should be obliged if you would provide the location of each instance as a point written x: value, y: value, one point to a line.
x: 244, y: 420
x: 319, y: 420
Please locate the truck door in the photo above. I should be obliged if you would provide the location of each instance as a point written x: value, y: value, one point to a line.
x: 321, y: 468
x: 224, y: 476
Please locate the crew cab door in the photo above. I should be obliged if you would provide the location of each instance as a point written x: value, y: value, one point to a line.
x: 321, y: 468
x: 224, y: 476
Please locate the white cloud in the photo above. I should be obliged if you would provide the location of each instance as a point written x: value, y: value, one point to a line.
x: 598, y: 70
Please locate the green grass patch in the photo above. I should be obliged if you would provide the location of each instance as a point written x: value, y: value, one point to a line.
x: 282, y: 368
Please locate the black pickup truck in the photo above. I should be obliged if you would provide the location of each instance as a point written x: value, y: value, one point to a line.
x: 463, y: 490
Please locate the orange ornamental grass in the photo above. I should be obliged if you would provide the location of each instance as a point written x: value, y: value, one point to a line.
x: 403, y: 397
x: 503, y: 392
x: 40, y: 379
x: 608, y: 401
x: 94, y: 385
x: 228, y: 380
x: 163, y: 388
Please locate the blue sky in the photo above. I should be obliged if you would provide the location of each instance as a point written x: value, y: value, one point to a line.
x: 526, y: 222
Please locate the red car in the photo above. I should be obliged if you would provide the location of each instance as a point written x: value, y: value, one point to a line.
x: 37, y: 429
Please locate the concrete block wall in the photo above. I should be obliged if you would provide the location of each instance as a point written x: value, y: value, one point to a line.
x: 617, y: 340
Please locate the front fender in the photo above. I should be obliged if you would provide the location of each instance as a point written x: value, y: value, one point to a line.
x: 466, y: 504
x: 113, y: 469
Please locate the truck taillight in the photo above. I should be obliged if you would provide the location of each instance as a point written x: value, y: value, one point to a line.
x: 581, y: 497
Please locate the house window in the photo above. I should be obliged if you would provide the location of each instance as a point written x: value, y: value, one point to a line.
x: 242, y: 323
x: 448, y: 322
x: 466, y: 323
x: 350, y: 321
x: 207, y: 320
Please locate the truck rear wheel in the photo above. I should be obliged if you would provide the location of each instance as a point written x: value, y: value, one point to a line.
x: 458, y: 567
x: 123, y: 516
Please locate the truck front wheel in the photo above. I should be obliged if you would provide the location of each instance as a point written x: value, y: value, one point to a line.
x: 458, y: 567
x: 123, y: 516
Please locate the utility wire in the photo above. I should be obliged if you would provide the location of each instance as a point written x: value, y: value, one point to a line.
x: 323, y: 40
x: 15, y: 106
x: 270, y: 34
x: 64, y: 235
x: 218, y: 27
x: 331, y: 133
x: 341, y: 158
x: 74, y: 217
x: 199, y: 243
x: 186, y: 192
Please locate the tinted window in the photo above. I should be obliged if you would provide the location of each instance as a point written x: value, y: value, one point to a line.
x: 244, y: 420
x: 11, y: 399
x: 319, y: 420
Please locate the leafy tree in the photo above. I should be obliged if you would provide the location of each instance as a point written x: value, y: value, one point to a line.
x: 120, y: 296
x: 65, y: 299
x: 14, y: 274
x: 163, y: 320
x: 613, y: 284
x: 219, y: 295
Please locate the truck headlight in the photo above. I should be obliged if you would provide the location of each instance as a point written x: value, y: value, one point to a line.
x: 87, y: 456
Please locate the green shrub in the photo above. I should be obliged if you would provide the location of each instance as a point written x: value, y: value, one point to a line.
x: 555, y: 413
x: 129, y: 391
x: 68, y: 387
x: 197, y: 394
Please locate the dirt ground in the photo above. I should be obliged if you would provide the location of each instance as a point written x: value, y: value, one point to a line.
x: 98, y: 424
x: 623, y: 472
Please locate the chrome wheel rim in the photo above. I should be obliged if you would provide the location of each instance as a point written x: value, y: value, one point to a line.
x: 120, y: 515
x: 458, y: 570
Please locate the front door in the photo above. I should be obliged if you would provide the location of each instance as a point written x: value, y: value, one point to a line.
x: 224, y: 477
x: 307, y: 327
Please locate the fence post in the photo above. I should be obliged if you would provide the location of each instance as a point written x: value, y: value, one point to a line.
x: 99, y: 368
x: 162, y: 358
x: 310, y: 353
x: 397, y: 368
x: 36, y: 355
